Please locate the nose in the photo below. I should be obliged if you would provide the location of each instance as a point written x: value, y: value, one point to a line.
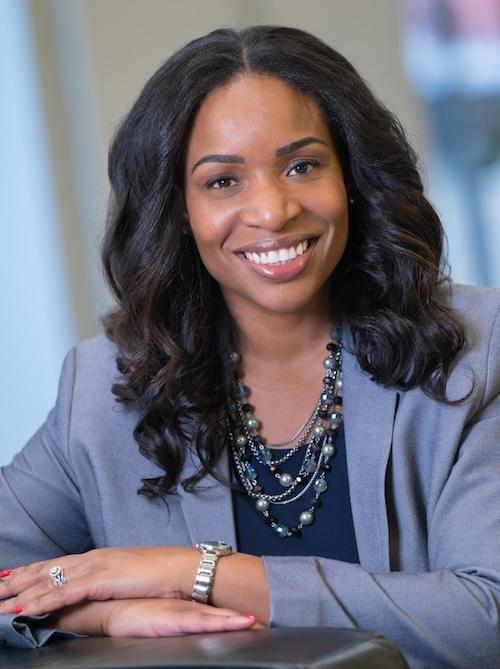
x: 270, y: 205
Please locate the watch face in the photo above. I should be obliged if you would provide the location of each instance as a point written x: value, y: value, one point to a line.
x: 215, y: 546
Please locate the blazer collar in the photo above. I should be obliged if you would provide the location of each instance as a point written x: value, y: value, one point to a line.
x: 369, y: 411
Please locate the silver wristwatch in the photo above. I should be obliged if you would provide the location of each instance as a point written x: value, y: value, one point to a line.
x: 210, y: 551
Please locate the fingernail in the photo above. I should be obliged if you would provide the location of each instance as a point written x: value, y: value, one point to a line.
x: 18, y: 609
x: 250, y: 616
x: 5, y: 573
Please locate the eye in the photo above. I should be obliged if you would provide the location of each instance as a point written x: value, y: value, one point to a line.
x: 220, y: 181
x: 302, y: 167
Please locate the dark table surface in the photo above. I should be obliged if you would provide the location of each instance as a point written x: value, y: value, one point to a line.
x: 288, y: 648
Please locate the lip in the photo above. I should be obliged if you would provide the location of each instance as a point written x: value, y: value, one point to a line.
x: 274, y: 244
x: 280, y: 271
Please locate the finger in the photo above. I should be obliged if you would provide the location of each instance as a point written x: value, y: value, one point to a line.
x: 213, y: 610
x: 18, y: 580
x: 197, y: 623
x: 45, y: 598
x: 34, y: 590
x: 14, y: 581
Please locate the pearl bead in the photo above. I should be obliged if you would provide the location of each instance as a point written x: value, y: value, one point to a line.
x: 319, y: 431
x: 306, y: 518
x: 251, y: 423
x: 328, y: 450
x: 241, y: 440
x: 262, y: 504
x: 329, y: 362
x: 234, y: 357
x: 286, y: 480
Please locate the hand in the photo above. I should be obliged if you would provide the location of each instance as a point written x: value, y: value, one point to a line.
x: 148, y: 618
x: 171, y: 617
x: 100, y: 574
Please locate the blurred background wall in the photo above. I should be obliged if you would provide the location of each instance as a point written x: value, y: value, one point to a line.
x: 69, y: 71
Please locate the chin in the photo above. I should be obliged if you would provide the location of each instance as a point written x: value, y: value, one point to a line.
x: 293, y: 304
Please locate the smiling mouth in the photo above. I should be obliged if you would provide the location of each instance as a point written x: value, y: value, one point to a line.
x: 278, y: 256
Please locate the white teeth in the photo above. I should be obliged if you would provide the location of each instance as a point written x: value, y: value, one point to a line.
x: 280, y: 256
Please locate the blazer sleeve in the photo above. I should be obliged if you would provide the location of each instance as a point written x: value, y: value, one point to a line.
x: 49, y: 520
x: 446, y: 617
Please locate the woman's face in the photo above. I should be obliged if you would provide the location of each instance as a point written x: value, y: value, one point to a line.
x: 265, y: 195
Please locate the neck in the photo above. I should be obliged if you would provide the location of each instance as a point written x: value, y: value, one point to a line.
x: 277, y: 338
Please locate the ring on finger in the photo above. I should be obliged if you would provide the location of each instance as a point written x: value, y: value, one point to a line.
x: 57, y: 577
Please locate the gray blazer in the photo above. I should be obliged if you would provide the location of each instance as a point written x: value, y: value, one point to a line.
x: 425, y: 491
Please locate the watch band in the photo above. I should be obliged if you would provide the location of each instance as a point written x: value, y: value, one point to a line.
x: 211, y: 551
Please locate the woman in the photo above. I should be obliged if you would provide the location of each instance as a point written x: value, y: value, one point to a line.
x: 265, y: 206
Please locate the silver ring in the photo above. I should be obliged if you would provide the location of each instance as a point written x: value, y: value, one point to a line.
x: 57, y: 576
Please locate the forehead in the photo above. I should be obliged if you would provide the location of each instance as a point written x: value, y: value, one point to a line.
x: 254, y: 108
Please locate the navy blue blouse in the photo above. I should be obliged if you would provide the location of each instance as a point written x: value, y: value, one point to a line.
x: 332, y: 533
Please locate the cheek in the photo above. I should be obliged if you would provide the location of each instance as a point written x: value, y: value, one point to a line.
x: 210, y: 231
x: 334, y: 213
x: 209, y: 227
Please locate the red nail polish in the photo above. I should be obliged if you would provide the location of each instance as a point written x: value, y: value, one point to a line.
x: 18, y: 609
x: 5, y: 573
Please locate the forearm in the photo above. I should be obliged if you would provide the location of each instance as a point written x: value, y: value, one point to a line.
x: 438, y: 619
x: 240, y: 583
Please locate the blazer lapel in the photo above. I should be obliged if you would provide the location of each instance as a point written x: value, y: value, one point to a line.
x: 369, y: 418
x: 208, y: 510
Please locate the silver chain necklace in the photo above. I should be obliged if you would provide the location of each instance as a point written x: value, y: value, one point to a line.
x: 316, y: 436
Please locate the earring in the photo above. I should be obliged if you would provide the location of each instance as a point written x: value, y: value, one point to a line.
x: 351, y: 200
x: 185, y: 229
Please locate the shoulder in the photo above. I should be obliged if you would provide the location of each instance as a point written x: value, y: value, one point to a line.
x: 475, y: 303
x: 86, y: 408
x: 96, y: 356
x: 478, y: 308
x: 89, y: 372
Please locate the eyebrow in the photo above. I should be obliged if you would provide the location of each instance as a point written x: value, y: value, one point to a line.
x: 234, y: 158
x: 295, y: 146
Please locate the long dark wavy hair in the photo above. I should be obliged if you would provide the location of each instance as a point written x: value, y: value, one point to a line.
x: 171, y: 326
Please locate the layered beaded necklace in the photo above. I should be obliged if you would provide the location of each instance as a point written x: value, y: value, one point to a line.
x: 316, y: 437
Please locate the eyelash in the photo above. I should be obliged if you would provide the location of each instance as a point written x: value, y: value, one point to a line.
x: 220, y: 177
x: 226, y: 177
x: 309, y: 162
